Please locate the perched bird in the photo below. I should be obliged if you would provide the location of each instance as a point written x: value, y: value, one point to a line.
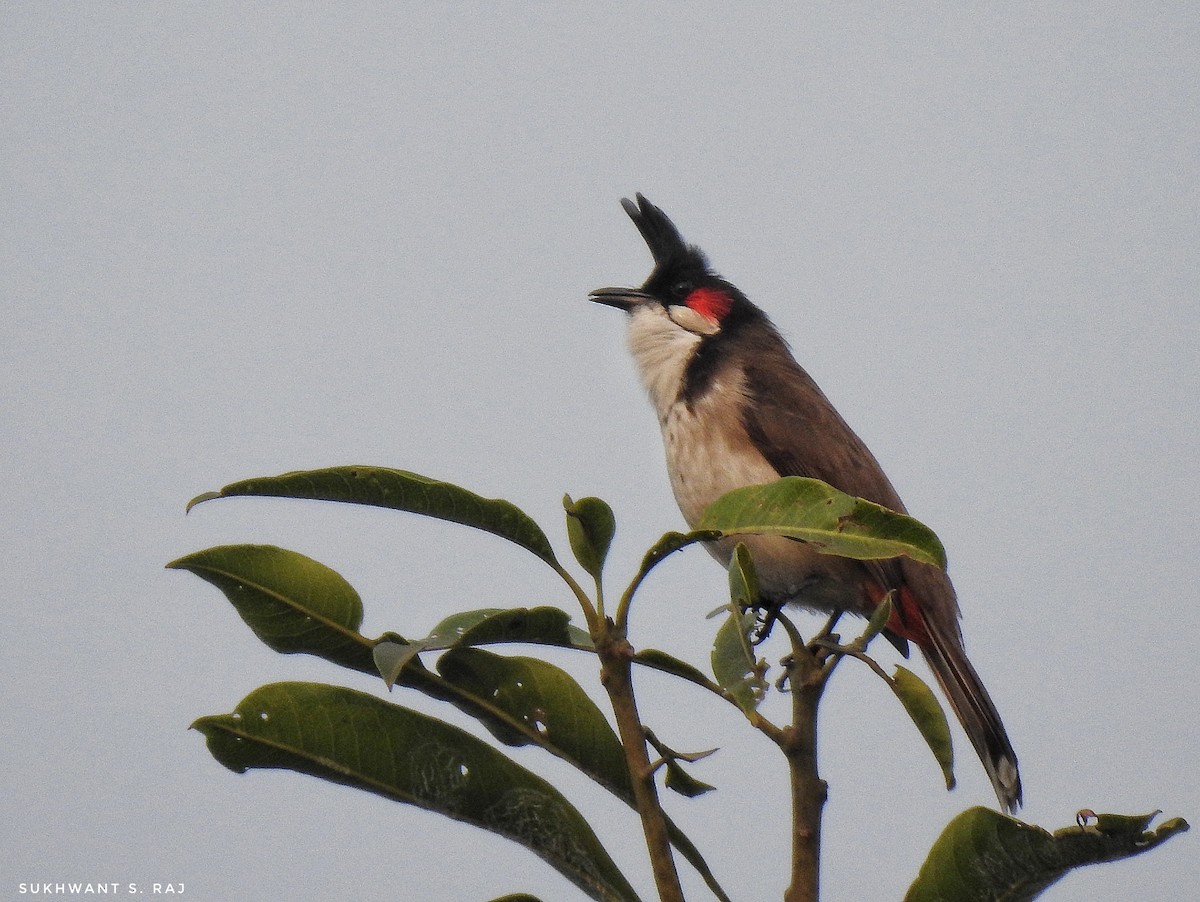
x: 736, y: 409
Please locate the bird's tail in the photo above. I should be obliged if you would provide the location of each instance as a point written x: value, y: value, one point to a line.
x: 947, y: 658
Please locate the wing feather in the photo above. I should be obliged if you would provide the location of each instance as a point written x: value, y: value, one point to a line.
x: 781, y: 409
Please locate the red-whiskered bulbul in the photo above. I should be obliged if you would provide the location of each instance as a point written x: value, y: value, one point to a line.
x: 736, y: 410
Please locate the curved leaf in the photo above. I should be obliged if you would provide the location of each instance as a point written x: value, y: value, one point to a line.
x: 678, y: 779
x: 1116, y: 824
x: 292, y: 603
x: 927, y: 713
x: 983, y: 855
x: 548, y: 702
x: 743, y: 579
x: 392, y: 657
x: 660, y: 660
x: 450, y: 629
x: 590, y: 528
x: 877, y: 622
x: 733, y: 662
x: 525, y: 701
x: 403, y: 491
x: 487, y: 626
x: 734, y: 665
x: 667, y: 545
x: 297, y: 605
x: 358, y: 740
x: 543, y: 625
x: 835, y: 523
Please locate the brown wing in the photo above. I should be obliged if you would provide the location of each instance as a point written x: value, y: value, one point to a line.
x: 791, y: 406
x: 925, y: 608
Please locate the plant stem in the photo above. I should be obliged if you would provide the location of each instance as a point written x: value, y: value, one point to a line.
x: 590, y: 615
x: 807, y: 677
x: 616, y: 674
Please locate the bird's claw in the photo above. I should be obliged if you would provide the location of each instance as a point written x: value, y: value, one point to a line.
x: 767, y: 615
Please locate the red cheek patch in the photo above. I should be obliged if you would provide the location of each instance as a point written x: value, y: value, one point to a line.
x: 711, y: 303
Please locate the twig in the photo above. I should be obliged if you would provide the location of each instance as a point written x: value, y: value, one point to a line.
x: 616, y: 657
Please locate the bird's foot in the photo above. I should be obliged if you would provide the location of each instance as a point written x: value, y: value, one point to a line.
x: 766, y: 615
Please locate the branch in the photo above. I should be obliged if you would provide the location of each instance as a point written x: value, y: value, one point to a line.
x: 616, y: 674
x: 807, y: 674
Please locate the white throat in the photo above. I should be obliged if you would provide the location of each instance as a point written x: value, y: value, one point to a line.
x: 661, y: 349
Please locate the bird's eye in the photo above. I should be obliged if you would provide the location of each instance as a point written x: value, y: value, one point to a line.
x: 682, y: 288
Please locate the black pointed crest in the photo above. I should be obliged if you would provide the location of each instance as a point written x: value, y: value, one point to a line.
x: 660, y: 234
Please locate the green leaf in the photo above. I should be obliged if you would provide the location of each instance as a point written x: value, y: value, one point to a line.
x: 743, y: 579
x: 590, y: 528
x: 450, y: 629
x: 399, y: 490
x: 546, y: 702
x: 1117, y: 824
x: 525, y: 701
x: 660, y: 660
x: 670, y: 542
x: 926, y: 712
x: 878, y: 622
x: 295, y: 604
x: 292, y: 603
x: 734, y: 665
x: 678, y: 779
x: 392, y: 657
x: 358, y: 740
x: 667, y: 545
x: 833, y: 522
x: 537, y: 626
x: 983, y: 856
x: 487, y: 626
x: 733, y: 661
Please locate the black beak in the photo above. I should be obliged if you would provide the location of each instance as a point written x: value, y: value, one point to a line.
x: 621, y: 298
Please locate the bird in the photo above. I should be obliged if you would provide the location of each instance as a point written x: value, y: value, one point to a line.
x: 735, y: 409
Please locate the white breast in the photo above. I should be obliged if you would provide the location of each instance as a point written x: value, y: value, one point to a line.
x: 709, y: 453
x: 661, y: 349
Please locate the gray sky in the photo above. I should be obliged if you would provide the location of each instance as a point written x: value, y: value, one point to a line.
x: 243, y: 240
